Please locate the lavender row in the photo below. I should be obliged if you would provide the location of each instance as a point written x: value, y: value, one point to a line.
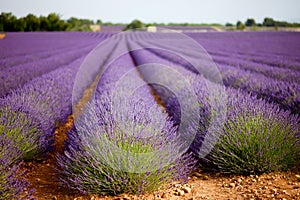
x: 287, y: 95
x: 278, y: 73
x: 46, y: 44
x: 13, y: 61
x: 280, y: 49
x: 22, y: 44
x: 16, y: 76
x: 114, y: 129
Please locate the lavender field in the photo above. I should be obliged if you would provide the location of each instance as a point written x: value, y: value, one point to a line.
x: 247, y: 95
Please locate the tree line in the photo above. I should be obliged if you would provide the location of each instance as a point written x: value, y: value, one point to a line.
x: 52, y: 22
x: 267, y: 22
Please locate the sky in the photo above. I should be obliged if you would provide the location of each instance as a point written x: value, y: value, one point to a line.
x: 148, y: 11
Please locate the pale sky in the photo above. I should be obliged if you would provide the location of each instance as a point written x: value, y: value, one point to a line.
x: 193, y: 11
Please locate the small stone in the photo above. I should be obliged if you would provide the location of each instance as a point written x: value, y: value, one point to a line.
x: 297, y: 177
x: 239, y: 180
x: 38, y: 179
x: 164, y: 196
x: 94, y: 198
x: 187, y: 189
x: 197, y: 174
x: 180, y: 192
x: 274, y: 190
x: 265, y: 187
x: 231, y: 185
x: 54, y: 198
x: 239, y: 188
x: 125, y: 197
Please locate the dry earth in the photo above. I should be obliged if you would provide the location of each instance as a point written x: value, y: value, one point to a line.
x: 2, y: 35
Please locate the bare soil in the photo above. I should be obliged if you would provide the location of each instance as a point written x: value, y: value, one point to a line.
x: 2, y: 35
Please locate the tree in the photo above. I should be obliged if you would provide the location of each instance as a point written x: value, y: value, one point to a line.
x: 250, y: 22
x: 44, y: 23
x: 20, y: 24
x: 7, y: 21
x: 269, y: 22
x: 32, y: 23
x: 228, y: 24
x: 99, y: 22
x: 135, y: 24
x: 54, y: 21
x: 240, y: 25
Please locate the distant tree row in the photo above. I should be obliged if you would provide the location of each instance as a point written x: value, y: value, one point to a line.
x: 268, y: 22
x: 53, y: 22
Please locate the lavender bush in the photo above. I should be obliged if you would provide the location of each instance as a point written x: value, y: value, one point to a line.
x: 106, y: 156
x: 258, y: 137
x: 31, y: 125
x: 23, y: 130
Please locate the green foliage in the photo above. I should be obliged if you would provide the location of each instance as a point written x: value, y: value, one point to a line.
x: 228, y: 24
x: 7, y: 21
x: 135, y: 24
x: 52, y: 22
x: 268, y: 22
x: 256, y: 145
x: 240, y: 25
x: 250, y: 22
x: 99, y: 22
x: 32, y: 23
x: 76, y: 24
x: 22, y: 131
